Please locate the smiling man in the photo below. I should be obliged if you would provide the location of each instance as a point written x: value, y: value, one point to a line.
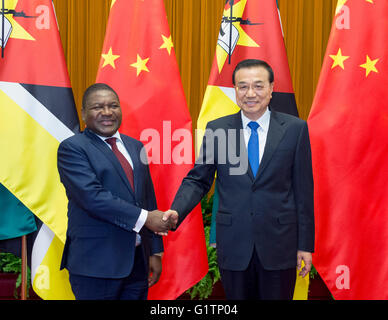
x: 265, y: 219
x: 112, y: 207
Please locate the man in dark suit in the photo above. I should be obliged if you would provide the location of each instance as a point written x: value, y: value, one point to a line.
x: 109, y: 246
x: 265, y: 220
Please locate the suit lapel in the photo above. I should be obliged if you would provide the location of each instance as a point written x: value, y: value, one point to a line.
x: 275, y: 134
x: 98, y: 143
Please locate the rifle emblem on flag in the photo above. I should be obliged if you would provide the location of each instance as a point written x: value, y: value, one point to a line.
x: 229, y: 34
x: 6, y: 25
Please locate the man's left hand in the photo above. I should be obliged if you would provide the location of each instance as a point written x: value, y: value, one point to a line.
x: 155, y: 270
x: 307, y: 258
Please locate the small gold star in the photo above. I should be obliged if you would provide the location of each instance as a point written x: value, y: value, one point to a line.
x: 167, y: 44
x: 370, y: 65
x: 140, y: 65
x: 109, y: 58
x: 339, y: 59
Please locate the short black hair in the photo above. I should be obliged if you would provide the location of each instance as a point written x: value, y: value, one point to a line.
x: 96, y: 87
x: 252, y: 63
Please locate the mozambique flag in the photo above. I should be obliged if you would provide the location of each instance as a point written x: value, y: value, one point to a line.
x: 37, y: 112
x: 349, y: 136
x: 138, y: 61
x: 250, y: 29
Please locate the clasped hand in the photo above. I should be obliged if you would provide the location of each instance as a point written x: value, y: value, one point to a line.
x: 161, y: 222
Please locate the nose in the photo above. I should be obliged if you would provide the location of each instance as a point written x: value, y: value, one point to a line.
x: 106, y: 110
x: 251, y: 92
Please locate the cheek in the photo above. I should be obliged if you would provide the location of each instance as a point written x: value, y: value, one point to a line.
x: 119, y: 115
x: 238, y: 101
x: 266, y: 96
x: 89, y: 119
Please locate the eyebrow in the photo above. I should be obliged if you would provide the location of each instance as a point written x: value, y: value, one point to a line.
x: 258, y: 81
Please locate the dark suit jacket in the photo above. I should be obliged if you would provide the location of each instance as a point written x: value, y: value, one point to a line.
x: 273, y: 212
x: 103, y: 208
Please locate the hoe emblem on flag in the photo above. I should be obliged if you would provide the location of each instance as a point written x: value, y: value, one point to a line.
x: 229, y: 33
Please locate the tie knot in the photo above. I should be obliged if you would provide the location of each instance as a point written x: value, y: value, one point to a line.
x: 253, y: 125
x: 111, y: 141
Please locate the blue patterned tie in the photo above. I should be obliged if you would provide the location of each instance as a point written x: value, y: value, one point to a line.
x: 253, y: 147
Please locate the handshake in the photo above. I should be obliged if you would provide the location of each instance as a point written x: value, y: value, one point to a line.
x: 161, y: 222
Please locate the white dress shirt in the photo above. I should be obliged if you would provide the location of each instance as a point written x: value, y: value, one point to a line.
x: 262, y: 131
x: 120, y: 145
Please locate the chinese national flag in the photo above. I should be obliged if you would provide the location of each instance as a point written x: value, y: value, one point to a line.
x: 349, y: 136
x: 138, y: 61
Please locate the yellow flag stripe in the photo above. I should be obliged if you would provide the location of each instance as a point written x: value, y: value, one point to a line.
x: 216, y: 104
x: 31, y: 156
x: 36, y: 110
x: 301, y: 286
x: 49, y: 282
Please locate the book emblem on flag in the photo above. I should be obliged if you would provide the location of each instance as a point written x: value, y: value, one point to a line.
x: 5, y: 30
x: 6, y: 25
x: 231, y: 34
x: 228, y: 37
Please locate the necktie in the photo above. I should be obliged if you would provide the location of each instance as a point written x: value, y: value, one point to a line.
x: 123, y: 161
x: 253, y: 147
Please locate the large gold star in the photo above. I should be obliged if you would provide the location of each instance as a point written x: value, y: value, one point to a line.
x: 140, y: 65
x: 112, y: 4
x: 167, y: 44
x: 338, y: 59
x: 109, y: 58
x: 370, y: 65
x: 244, y: 39
x: 18, y: 32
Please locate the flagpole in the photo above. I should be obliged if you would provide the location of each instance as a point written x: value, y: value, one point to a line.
x: 24, y: 268
x: 230, y: 31
x: 2, y: 29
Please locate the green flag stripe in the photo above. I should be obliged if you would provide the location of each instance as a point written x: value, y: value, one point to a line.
x: 15, y: 219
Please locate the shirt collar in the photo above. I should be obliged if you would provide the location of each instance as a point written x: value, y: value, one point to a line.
x: 263, y: 121
x: 116, y: 135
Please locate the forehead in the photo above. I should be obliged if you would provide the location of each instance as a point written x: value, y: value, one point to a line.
x: 252, y: 74
x: 101, y: 96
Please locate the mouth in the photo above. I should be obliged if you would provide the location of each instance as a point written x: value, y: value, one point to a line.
x: 251, y: 103
x: 107, y: 122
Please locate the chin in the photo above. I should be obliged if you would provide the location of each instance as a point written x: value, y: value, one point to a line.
x: 107, y: 133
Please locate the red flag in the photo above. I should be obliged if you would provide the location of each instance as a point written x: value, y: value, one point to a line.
x: 138, y: 61
x: 349, y: 133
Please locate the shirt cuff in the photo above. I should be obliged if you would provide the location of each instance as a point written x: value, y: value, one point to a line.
x: 141, y: 220
x: 159, y: 254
